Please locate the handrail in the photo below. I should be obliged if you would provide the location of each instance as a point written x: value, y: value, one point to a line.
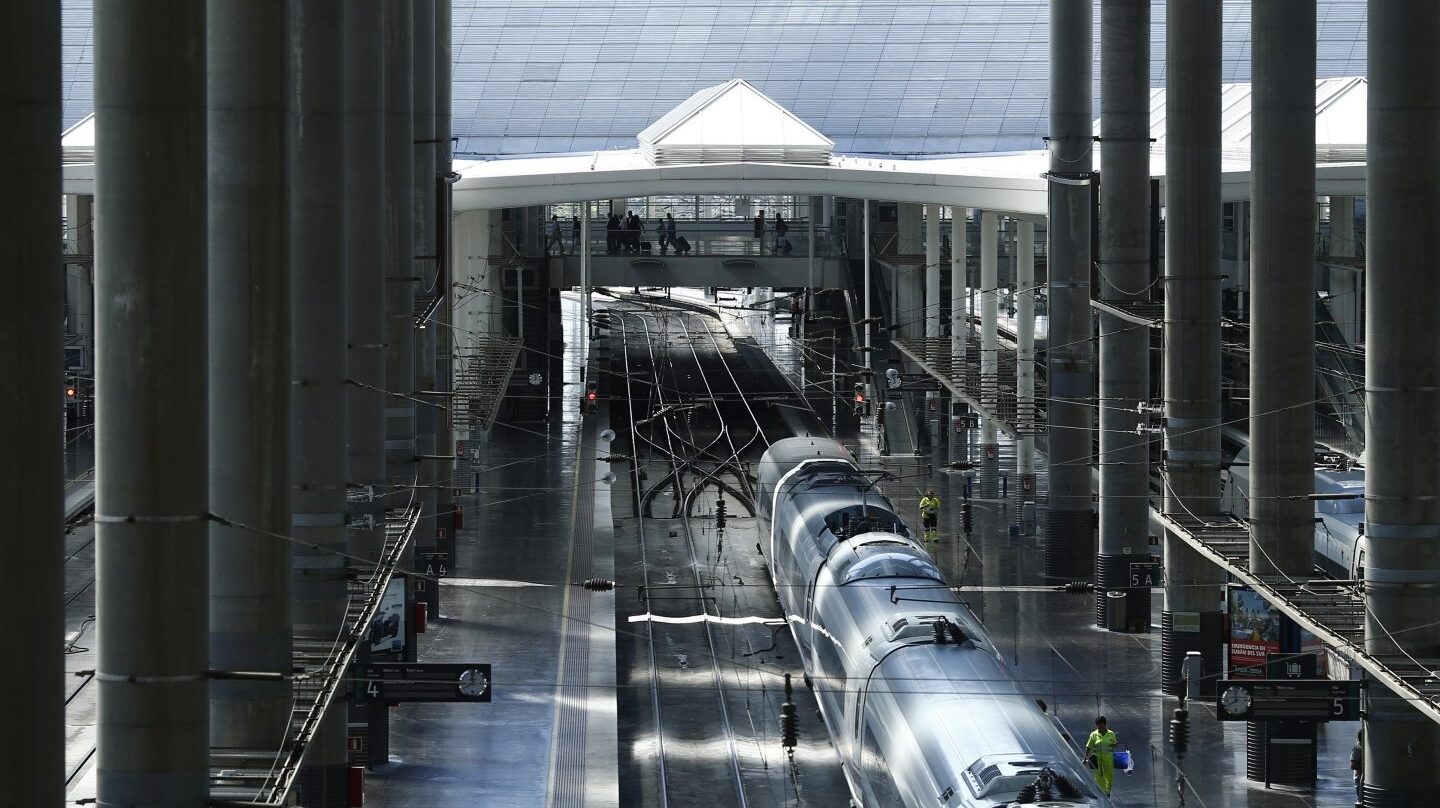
x: 277, y: 786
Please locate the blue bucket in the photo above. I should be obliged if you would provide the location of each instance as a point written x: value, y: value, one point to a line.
x: 1123, y: 761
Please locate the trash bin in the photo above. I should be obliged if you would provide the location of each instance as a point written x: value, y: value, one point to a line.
x: 1115, y: 610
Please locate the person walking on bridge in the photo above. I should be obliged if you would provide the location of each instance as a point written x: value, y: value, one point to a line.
x: 930, y: 515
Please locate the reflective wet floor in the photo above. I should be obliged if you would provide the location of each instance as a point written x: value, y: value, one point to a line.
x: 508, y: 604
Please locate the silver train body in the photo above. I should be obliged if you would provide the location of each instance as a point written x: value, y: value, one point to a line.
x: 916, y: 722
x: 1339, y: 523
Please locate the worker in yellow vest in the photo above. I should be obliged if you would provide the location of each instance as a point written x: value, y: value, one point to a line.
x: 1100, y: 754
x: 930, y: 515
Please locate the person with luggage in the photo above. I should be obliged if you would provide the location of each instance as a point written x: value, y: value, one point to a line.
x: 670, y: 232
x: 612, y: 234
x: 632, y: 232
x: 555, y: 238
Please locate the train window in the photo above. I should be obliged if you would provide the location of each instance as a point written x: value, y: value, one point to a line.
x: 892, y: 565
x: 859, y: 519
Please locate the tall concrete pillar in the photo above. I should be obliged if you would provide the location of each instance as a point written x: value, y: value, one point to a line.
x: 959, y: 317
x: 1282, y: 319
x: 477, y: 283
x: 32, y: 752
x: 444, y: 331
x: 1025, y: 355
x: 989, y: 359
x: 932, y: 271
x: 365, y: 259
x: 1124, y: 276
x: 401, y: 448
x: 1402, y: 370
x: 810, y: 252
x: 1345, y: 285
x: 429, y: 410
x: 908, y: 230
x: 318, y: 289
x: 1070, y: 363
x: 249, y: 369
x: 80, y: 278
x: 152, y: 456
x: 869, y: 324
x: 1282, y: 190
x: 1191, y: 620
x: 1242, y: 258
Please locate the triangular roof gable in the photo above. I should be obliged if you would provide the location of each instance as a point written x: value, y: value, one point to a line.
x: 733, y: 121
x: 1339, y: 119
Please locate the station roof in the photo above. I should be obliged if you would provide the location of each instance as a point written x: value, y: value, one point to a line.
x: 733, y: 139
x: 1010, y: 182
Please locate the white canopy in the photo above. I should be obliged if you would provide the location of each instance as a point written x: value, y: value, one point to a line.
x: 733, y: 123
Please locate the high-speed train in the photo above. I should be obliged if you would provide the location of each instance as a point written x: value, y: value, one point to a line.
x: 1339, y: 516
x: 918, y: 702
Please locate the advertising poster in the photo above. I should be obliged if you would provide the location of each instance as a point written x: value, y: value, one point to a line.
x: 387, y: 631
x: 1254, y: 633
x: 1257, y: 629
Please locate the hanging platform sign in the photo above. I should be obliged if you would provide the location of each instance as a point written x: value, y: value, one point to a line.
x: 428, y: 682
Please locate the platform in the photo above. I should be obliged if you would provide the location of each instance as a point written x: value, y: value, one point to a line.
x: 508, y: 604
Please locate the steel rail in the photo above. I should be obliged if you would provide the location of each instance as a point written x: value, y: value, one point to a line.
x: 644, y: 570
x: 713, y: 654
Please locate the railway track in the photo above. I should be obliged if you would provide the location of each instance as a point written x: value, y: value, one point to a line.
x: 711, y: 717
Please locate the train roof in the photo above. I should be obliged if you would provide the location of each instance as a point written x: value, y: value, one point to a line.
x: 791, y: 451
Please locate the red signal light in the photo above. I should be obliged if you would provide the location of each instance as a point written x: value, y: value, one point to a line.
x: 591, y: 395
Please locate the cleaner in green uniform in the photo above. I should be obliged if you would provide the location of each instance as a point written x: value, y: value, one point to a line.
x: 930, y: 515
x: 1100, y: 749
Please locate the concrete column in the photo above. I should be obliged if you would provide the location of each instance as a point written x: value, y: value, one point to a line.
x: 908, y: 299
x: 1345, y: 285
x: 1282, y: 189
x: 815, y: 210
x: 32, y: 752
x: 1242, y: 258
x: 908, y: 231
x: 1191, y: 620
x: 80, y: 278
x: 869, y: 324
x: 249, y: 369
x: 1124, y: 276
x: 1025, y: 350
x: 478, y: 283
x: 959, y: 319
x: 400, y: 266
x: 989, y: 359
x: 586, y: 318
x: 1402, y: 368
x: 152, y: 456
x: 932, y: 271
x: 1070, y: 371
x: 428, y: 412
x: 445, y: 314
x: 1282, y: 320
x: 317, y: 359
x: 364, y: 256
